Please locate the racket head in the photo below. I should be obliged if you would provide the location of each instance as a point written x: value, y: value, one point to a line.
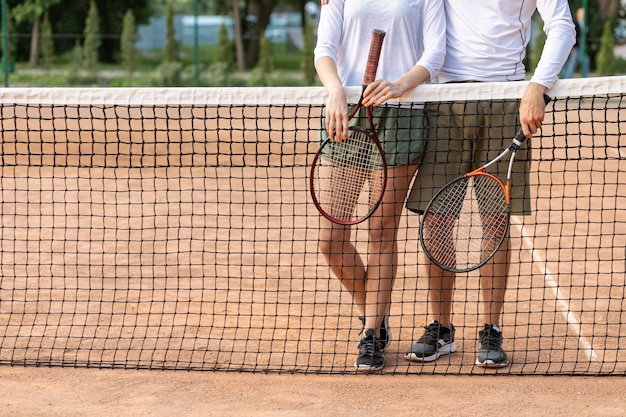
x: 348, y: 178
x: 466, y: 222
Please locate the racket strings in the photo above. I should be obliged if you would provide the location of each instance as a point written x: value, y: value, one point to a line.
x: 466, y: 222
x: 354, y: 168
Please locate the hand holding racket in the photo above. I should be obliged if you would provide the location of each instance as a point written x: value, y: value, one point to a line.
x: 466, y: 221
x: 348, y: 177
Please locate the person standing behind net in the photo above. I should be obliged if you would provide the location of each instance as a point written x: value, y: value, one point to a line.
x: 412, y: 53
x: 486, y: 42
x: 578, y: 55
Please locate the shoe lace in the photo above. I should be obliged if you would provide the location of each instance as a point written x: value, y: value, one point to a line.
x: 370, y: 346
x: 431, y: 334
x: 367, y: 347
x: 490, y: 340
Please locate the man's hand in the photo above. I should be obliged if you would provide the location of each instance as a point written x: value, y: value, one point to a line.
x: 532, y: 109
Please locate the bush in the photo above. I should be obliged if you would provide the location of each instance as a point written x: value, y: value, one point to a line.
x: 537, y: 48
x: 169, y: 74
x: 605, y: 60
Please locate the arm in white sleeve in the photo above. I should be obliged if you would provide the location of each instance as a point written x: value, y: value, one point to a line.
x: 561, y: 37
x: 434, y: 32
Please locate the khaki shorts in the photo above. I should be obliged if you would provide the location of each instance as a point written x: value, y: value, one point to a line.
x: 401, y: 132
x: 462, y: 137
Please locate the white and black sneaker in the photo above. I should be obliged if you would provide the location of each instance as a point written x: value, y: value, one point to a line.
x: 370, y: 352
x: 437, y: 340
x: 490, y: 353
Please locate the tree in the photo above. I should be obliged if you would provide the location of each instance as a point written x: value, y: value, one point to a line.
x: 307, y: 52
x: 265, y: 63
x: 261, y: 75
x: 605, y: 60
x: 608, y: 8
x: 214, y: 7
x: 46, y: 43
x: 129, y: 38
x: 92, y: 39
x: 598, y: 12
x: 68, y: 17
x: 263, y: 9
x: 537, y: 47
x: 170, y: 72
x: 241, y: 63
x: 171, y: 44
x: 224, y: 53
x: 31, y: 11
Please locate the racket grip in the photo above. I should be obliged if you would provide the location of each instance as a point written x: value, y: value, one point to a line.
x: 374, y: 55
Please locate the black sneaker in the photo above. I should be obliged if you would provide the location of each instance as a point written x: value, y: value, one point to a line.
x: 370, y: 352
x: 385, y: 330
x: 491, y: 354
x: 437, y: 340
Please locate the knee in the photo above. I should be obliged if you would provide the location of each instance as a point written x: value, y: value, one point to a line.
x: 383, y: 230
x: 383, y: 239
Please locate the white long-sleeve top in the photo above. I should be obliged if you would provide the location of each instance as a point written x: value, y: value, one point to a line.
x: 487, y: 39
x: 415, y: 35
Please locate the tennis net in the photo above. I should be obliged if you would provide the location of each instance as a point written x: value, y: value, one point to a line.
x: 173, y: 229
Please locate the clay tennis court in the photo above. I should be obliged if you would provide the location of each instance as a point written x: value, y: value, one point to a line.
x: 136, y: 243
x: 71, y: 392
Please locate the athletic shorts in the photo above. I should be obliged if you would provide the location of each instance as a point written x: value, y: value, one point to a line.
x: 401, y: 132
x: 461, y: 137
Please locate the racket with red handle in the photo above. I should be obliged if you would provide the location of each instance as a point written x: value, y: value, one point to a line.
x: 348, y: 177
x: 467, y: 220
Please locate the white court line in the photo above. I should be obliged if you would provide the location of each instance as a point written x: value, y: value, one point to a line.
x: 561, y: 302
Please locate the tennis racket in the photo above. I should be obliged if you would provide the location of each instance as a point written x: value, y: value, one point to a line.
x: 348, y: 177
x: 467, y: 220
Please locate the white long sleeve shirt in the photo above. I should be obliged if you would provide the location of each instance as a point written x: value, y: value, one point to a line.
x: 487, y: 39
x: 415, y: 35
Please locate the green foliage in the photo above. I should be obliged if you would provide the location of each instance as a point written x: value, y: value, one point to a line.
x: 218, y: 74
x: 11, y: 37
x: 30, y: 10
x: 308, y: 68
x: 68, y: 18
x: 537, y: 48
x: 266, y: 62
x: 129, y: 38
x: 605, y: 60
x: 205, y: 7
x: 76, y: 76
x: 261, y: 74
x: 258, y: 78
x: 225, y: 53
x: 46, y: 43
x: 171, y: 44
x: 92, y: 40
x: 169, y: 74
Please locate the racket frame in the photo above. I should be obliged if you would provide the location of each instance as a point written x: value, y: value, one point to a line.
x: 517, y: 141
x: 368, y: 77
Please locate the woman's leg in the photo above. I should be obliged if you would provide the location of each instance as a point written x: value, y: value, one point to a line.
x: 344, y: 260
x: 383, y: 247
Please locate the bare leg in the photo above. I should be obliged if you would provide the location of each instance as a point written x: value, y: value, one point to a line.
x: 383, y: 247
x: 440, y: 289
x: 440, y: 281
x: 344, y: 260
x: 493, y: 281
